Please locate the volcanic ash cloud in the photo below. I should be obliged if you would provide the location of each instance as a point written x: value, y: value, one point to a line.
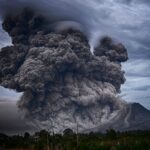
x: 63, y: 83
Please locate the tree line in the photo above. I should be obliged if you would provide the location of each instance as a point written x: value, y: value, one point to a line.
x: 110, y: 140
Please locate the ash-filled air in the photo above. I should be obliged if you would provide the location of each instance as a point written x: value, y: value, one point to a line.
x: 63, y: 83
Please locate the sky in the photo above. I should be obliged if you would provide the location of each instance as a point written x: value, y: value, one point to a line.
x: 126, y: 21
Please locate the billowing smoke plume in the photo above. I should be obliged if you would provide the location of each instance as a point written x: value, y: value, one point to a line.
x: 63, y: 83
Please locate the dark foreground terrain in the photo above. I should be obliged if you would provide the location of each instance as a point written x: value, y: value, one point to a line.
x: 111, y: 140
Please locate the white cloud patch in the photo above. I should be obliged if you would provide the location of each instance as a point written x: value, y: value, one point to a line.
x: 6, y: 94
x: 4, y: 38
x: 137, y: 87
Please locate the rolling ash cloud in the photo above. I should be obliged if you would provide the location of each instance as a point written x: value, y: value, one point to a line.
x: 62, y: 82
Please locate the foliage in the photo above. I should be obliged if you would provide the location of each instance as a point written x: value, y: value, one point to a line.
x: 111, y: 140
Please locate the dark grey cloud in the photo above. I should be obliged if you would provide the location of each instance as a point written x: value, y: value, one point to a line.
x: 123, y: 22
x: 58, y: 74
x: 126, y: 21
x: 134, y: 1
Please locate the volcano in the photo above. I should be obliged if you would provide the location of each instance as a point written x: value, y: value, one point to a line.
x: 64, y: 84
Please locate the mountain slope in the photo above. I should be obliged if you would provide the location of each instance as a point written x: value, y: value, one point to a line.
x: 136, y: 117
x: 139, y: 117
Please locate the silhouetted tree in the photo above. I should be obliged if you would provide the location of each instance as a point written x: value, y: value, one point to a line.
x: 68, y: 131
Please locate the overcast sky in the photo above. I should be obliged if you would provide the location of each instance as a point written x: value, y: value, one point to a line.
x: 127, y: 21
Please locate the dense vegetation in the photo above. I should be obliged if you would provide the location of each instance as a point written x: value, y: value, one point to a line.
x: 111, y: 140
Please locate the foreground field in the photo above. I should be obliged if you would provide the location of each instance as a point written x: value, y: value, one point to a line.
x: 111, y: 140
